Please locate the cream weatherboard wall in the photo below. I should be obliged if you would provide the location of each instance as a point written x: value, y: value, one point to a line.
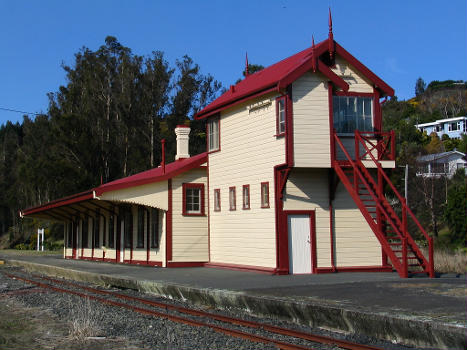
x: 307, y: 189
x: 311, y: 115
x: 311, y: 121
x: 356, y: 244
x: 249, y: 152
x: 357, y: 82
x: 189, y: 233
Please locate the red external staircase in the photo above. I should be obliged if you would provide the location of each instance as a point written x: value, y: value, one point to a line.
x: 366, y: 186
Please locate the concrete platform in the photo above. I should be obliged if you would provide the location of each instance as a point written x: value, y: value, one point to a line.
x: 420, y: 312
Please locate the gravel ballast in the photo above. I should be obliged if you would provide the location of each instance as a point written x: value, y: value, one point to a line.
x: 110, y: 322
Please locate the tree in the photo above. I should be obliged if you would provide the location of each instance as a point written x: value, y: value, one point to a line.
x: 252, y: 68
x: 455, y: 212
x: 435, y: 145
x: 105, y: 122
x: 419, y: 87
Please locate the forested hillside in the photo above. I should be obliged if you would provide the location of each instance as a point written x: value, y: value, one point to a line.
x: 104, y: 124
x: 439, y: 203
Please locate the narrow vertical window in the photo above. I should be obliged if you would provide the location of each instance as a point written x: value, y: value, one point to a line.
x: 154, y: 228
x: 264, y: 194
x: 96, y: 231
x: 280, y: 115
x: 85, y: 233
x: 128, y: 228
x: 69, y: 235
x: 111, y: 231
x: 213, y: 134
x: 232, y: 199
x: 140, y: 240
x: 217, y: 200
x: 246, y: 196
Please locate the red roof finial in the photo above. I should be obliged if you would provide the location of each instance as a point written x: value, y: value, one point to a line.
x: 313, y: 53
x: 246, y: 65
x: 330, y: 36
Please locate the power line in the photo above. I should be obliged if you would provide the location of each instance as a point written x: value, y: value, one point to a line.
x: 16, y: 111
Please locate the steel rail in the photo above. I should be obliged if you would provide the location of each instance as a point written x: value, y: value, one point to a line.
x: 233, y: 320
x: 178, y: 319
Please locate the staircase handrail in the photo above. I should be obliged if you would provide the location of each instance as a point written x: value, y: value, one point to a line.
x: 388, y: 181
x: 364, y: 181
x: 380, y: 136
x: 394, y: 259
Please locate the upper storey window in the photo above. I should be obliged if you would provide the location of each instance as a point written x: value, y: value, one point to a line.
x: 352, y: 113
x: 280, y: 115
x: 213, y: 134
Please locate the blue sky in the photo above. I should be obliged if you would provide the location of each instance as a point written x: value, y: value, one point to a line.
x: 398, y: 40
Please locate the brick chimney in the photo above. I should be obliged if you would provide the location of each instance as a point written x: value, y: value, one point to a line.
x: 183, y: 139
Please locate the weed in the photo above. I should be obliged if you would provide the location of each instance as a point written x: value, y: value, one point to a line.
x: 85, y: 320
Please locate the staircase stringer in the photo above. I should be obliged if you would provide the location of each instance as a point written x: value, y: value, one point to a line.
x: 374, y: 227
x: 413, y: 245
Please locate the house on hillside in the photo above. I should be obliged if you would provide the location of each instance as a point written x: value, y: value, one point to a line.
x: 453, y: 127
x: 291, y: 182
x: 441, y: 164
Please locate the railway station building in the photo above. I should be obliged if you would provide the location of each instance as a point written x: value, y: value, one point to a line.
x: 292, y: 182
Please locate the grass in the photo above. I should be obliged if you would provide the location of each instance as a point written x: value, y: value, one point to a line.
x: 85, y: 321
x: 30, y: 252
x: 448, y: 260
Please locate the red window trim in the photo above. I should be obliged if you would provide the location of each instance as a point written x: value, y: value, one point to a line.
x: 217, y: 194
x: 267, y: 205
x: 354, y: 93
x: 218, y: 119
x: 193, y: 185
x: 234, y: 199
x: 243, y: 197
x: 278, y: 133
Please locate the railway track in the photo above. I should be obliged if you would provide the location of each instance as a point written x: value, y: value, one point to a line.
x: 193, y: 317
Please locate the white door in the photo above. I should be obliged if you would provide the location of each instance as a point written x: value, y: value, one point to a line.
x: 299, y: 244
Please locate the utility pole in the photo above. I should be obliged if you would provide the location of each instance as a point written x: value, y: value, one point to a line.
x: 406, y: 184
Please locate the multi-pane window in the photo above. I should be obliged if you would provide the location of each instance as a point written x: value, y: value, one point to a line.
x: 232, y: 199
x: 280, y: 115
x: 264, y: 194
x: 213, y: 134
x: 246, y: 196
x: 84, y: 231
x: 140, y: 238
x: 128, y: 228
x: 454, y: 126
x: 217, y: 200
x: 193, y: 199
x: 111, y: 231
x: 352, y: 113
x: 154, y: 228
x: 96, y: 231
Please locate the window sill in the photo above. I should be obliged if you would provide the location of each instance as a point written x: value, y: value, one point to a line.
x: 193, y: 214
x: 265, y: 207
x: 214, y: 151
x: 246, y: 208
x: 280, y: 135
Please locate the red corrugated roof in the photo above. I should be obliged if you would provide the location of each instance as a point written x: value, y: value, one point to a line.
x: 153, y: 175
x: 75, y: 198
x: 262, y: 80
x: 269, y: 78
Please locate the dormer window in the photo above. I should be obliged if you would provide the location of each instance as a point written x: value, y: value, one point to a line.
x: 352, y: 113
x: 280, y: 115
